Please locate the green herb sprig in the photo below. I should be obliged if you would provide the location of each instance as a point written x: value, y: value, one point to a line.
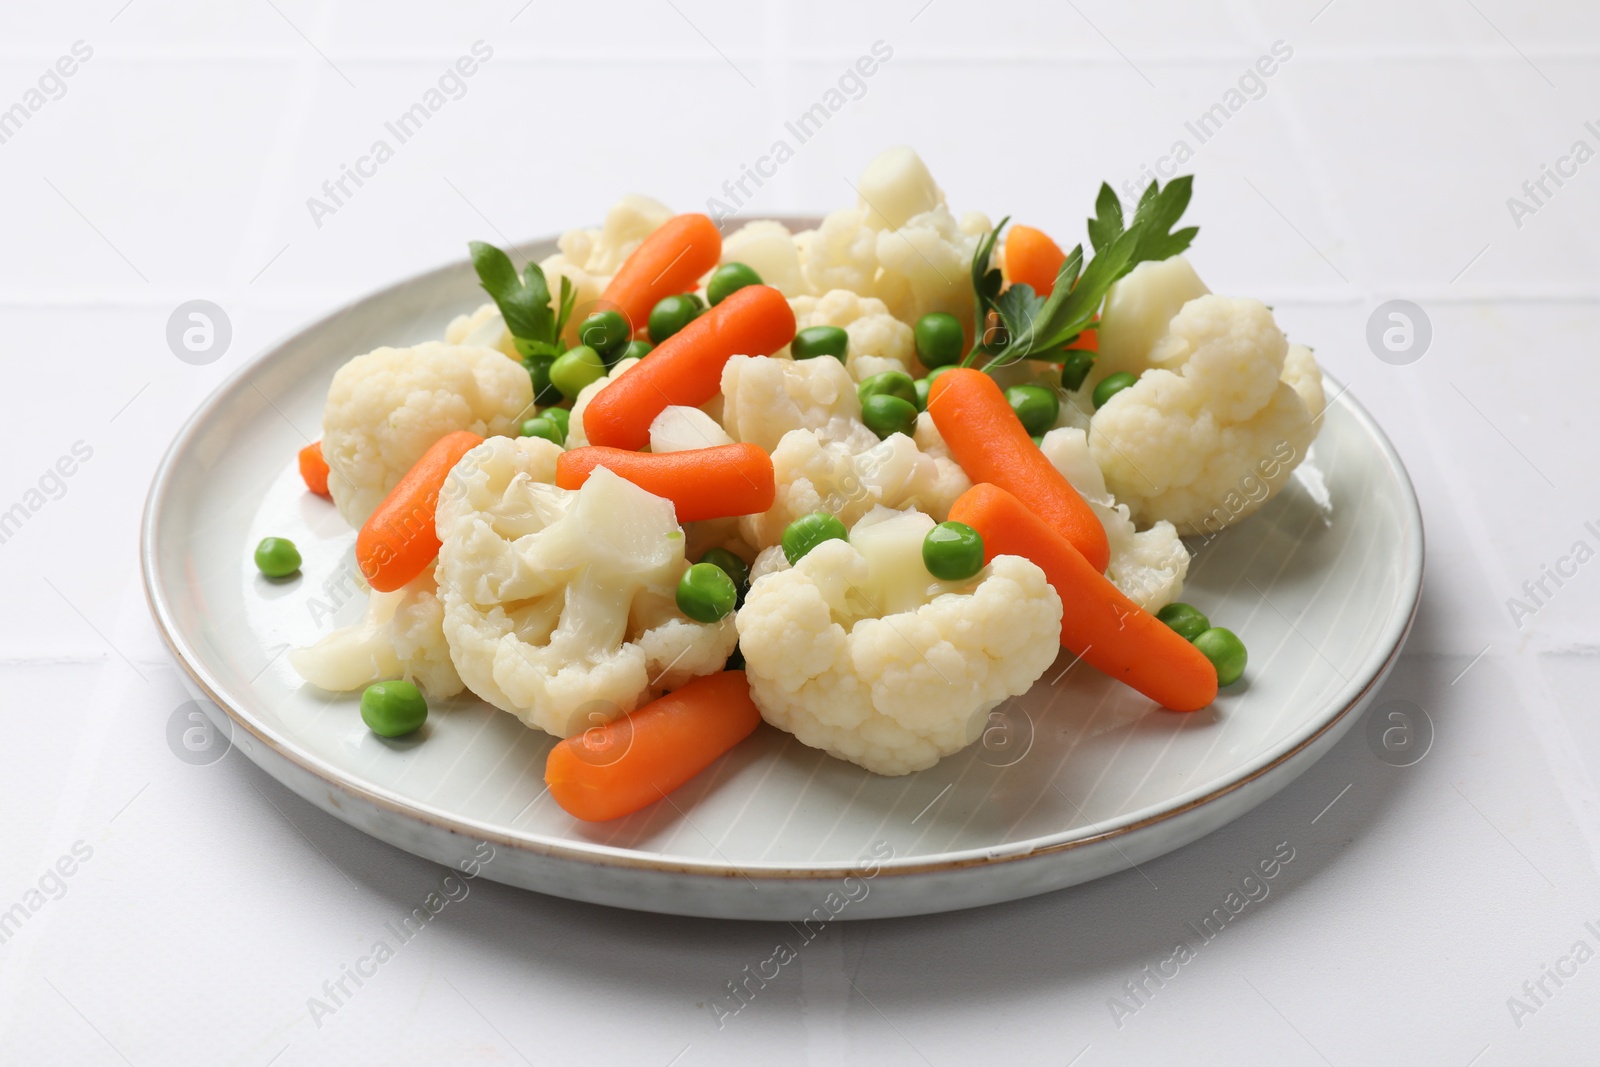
x: 1035, y: 327
x: 524, y: 302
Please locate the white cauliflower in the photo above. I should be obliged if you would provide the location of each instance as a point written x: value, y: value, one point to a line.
x: 817, y: 475
x: 900, y: 243
x: 842, y: 253
x: 1149, y: 565
x: 1207, y: 442
x: 925, y: 265
x: 576, y: 437
x: 386, y: 408
x: 1137, y: 311
x: 401, y: 636
x: 879, y: 342
x: 767, y: 247
x: 679, y: 428
x: 559, y: 605
x: 484, y: 328
x: 858, y: 651
x: 764, y: 397
x: 1300, y: 370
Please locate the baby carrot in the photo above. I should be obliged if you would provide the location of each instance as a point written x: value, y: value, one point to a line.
x: 1032, y: 259
x: 671, y: 260
x: 702, y: 483
x: 398, y: 539
x: 985, y: 436
x: 1098, y: 622
x: 610, y: 771
x: 686, y: 368
x: 314, y: 469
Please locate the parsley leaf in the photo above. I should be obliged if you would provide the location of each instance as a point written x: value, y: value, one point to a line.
x: 524, y: 302
x: 1038, y: 329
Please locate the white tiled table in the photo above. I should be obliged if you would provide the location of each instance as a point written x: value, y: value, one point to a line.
x: 1377, y: 164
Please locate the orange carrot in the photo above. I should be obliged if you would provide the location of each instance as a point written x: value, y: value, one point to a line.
x: 988, y: 440
x: 610, y: 771
x: 1031, y: 258
x: 398, y: 539
x: 314, y: 469
x: 702, y: 483
x: 1098, y: 622
x: 671, y: 260
x: 686, y: 368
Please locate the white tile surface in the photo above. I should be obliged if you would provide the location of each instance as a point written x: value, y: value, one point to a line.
x: 1377, y: 164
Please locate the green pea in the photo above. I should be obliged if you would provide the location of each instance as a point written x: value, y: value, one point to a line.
x: 1035, y: 405
x: 939, y: 339
x: 953, y: 551
x: 1075, y: 367
x: 889, y: 383
x: 576, y: 368
x: 809, y: 531
x: 694, y: 298
x: 1225, y: 651
x: 1038, y: 439
x: 706, y: 593
x: 1189, y: 621
x: 885, y: 415
x: 729, y: 279
x: 605, y: 332
x: 541, y: 426
x: 1111, y: 385
x: 922, y: 386
x: 816, y: 341
x: 276, y: 557
x: 634, y: 350
x: 671, y: 314
x: 561, y: 417
x: 539, y: 370
x: 732, y: 565
x: 393, y: 709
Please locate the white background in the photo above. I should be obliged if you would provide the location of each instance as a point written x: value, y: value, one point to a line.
x: 1377, y: 165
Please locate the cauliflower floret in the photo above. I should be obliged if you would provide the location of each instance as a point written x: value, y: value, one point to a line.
x: 817, y: 475
x: 1300, y: 370
x: 559, y: 605
x: 839, y: 254
x: 679, y: 428
x: 856, y: 650
x: 951, y: 481
x: 878, y: 341
x: 766, y: 247
x: 1137, y: 311
x: 401, y: 636
x: 484, y: 328
x: 386, y: 408
x: 895, y: 187
x: 576, y: 437
x: 764, y: 397
x: 925, y: 266
x: 1208, y: 442
x: 1150, y: 565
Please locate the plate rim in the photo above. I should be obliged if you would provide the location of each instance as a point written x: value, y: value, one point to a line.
x: 1373, y: 671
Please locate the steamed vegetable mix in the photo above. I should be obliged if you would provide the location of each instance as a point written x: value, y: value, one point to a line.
x: 398, y: 539
x: 985, y: 436
x: 670, y: 261
x: 613, y: 770
x: 686, y: 368
x: 1104, y: 627
x: 859, y: 482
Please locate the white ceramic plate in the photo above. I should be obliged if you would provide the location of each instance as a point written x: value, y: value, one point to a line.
x: 1079, y: 778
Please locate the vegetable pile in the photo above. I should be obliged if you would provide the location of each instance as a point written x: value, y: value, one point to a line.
x: 862, y: 482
